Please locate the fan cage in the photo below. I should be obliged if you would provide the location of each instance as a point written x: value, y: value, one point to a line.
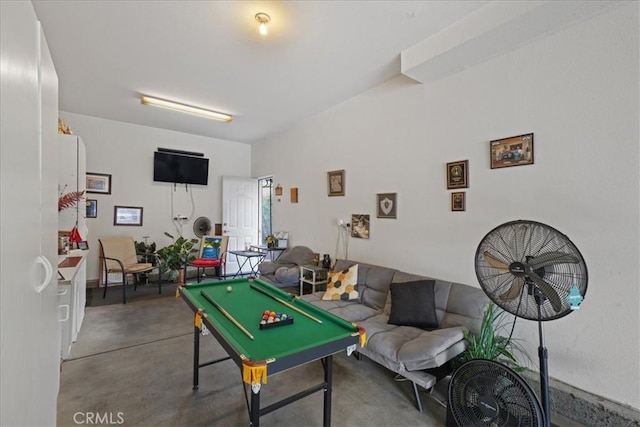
x: 480, y: 383
x: 520, y: 241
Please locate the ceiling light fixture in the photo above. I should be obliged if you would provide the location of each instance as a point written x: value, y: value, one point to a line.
x: 187, y: 109
x: 263, y: 19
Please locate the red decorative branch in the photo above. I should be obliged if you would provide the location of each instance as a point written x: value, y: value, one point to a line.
x: 69, y: 200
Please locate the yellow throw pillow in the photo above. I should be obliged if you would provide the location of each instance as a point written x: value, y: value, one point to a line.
x: 342, y: 285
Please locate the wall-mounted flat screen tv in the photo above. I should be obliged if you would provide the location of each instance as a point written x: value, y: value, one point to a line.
x: 180, y: 168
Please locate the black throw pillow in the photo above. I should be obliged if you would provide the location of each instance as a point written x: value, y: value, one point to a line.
x: 413, y: 304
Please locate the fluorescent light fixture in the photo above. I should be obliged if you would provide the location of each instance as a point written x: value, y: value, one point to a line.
x: 187, y: 109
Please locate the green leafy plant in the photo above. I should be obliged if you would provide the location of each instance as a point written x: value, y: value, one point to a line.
x: 175, y: 256
x: 146, y: 252
x: 490, y: 344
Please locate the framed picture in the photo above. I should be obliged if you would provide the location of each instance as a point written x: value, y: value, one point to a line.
x: 513, y: 151
x: 127, y: 215
x: 458, y: 201
x: 83, y: 245
x: 92, y: 208
x: 458, y: 174
x: 386, y: 205
x: 360, y: 226
x: 335, y: 183
x: 98, y: 183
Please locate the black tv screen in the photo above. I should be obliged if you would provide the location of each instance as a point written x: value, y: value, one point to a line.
x: 171, y: 167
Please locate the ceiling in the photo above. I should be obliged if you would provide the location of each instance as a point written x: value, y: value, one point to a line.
x: 210, y: 54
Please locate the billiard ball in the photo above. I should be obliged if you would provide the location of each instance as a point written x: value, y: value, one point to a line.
x: 229, y: 288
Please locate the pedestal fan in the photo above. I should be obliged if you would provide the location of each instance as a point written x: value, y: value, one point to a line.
x: 202, y: 226
x: 533, y: 271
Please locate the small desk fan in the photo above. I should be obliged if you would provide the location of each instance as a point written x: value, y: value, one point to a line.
x: 533, y: 271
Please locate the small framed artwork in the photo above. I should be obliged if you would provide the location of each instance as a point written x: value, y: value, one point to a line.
x: 386, y: 205
x: 127, y: 215
x: 336, y: 183
x: 513, y: 151
x: 360, y: 226
x: 92, y: 208
x: 458, y: 174
x: 83, y: 245
x: 458, y: 201
x: 99, y: 183
x: 294, y: 195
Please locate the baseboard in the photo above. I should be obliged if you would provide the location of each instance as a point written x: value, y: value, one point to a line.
x: 583, y: 407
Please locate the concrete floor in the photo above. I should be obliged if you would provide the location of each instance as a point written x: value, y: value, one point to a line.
x: 132, y: 365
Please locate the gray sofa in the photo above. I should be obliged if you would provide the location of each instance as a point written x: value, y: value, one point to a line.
x: 285, y: 271
x: 417, y: 354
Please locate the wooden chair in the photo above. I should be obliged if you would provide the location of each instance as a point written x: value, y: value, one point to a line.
x: 211, y: 256
x: 118, y: 255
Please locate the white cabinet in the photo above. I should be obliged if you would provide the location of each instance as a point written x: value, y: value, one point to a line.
x: 29, y: 331
x: 71, y: 298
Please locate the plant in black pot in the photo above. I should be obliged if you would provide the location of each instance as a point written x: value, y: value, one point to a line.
x: 146, y: 252
x: 490, y: 343
x: 175, y: 256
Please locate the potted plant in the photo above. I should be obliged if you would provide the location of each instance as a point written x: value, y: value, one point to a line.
x: 271, y: 241
x: 146, y: 252
x: 175, y: 256
x: 490, y: 344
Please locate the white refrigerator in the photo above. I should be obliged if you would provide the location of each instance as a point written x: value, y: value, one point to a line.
x: 29, y: 331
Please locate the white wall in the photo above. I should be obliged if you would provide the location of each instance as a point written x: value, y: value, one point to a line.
x: 126, y: 152
x: 577, y: 90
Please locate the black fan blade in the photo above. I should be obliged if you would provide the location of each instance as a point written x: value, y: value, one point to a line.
x: 551, y: 258
x: 514, y: 290
x: 495, y: 262
x: 547, y: 291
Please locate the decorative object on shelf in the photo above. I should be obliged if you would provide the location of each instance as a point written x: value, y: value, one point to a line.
x: 458, y: 174
x: 83, y: 245
x: 69, y: 200
x: 63, y: 128
x: 127, y: 215
x: 294, y: 195
x: 92, y: 208
x: 513, y: 151
x: 458, y: 201
x: 271, y: 241
x: 360, y: 226
x: 326, y: 261
x: 386, y: 205
x: 278, y: 190
x: 336, y: 183
x: 175, y: 256
x: 99, y: 183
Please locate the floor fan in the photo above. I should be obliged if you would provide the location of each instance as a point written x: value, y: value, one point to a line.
x: 533, y: 271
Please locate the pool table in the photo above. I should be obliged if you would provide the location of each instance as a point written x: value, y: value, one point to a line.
x: 232, y: 310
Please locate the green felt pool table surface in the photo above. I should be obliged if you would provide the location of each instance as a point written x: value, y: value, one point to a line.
x: 246, y: 305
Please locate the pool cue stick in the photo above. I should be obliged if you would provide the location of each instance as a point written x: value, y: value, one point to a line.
x: 281, y: 301
x: 227, y: 315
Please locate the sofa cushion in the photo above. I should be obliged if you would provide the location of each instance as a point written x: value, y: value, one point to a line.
x: 373, y: 282
x: 342, y: 285
x: 412, y: 304
x: 288, y: 275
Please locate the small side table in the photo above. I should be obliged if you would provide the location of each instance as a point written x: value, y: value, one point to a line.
x: 313, y: 275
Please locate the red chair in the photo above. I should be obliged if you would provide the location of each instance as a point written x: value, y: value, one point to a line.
x: 213, y: 250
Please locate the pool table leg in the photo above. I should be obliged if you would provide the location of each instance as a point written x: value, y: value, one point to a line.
x: 196, y: 356
x: 255, y: 408
x: 327, y: 363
